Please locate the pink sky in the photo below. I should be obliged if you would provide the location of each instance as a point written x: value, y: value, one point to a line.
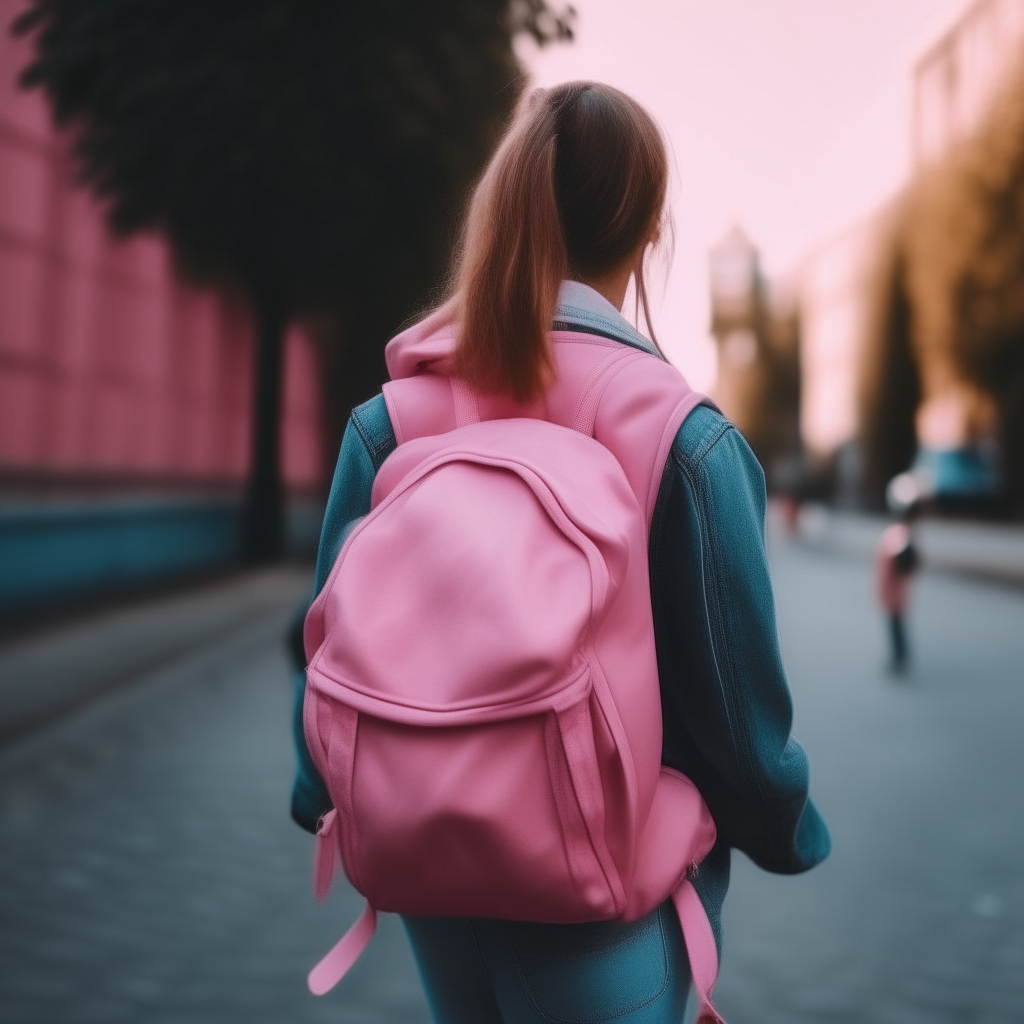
x: 788, y: 117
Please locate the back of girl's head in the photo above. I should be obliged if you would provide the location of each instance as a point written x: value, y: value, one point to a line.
x: 576, y: 188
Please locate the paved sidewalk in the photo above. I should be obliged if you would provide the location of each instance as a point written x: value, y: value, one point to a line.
x: 917, y: 917
x: 987, y: 550
x: 151, y: 873
x: 51, y: 673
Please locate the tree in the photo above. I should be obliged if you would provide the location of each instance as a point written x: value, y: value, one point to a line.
x: 311, y: 152
x: 964, y: 240
x: 890, y: 385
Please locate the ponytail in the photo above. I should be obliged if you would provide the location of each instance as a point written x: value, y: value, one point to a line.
x: 513, y: 262
x: 575, y: 187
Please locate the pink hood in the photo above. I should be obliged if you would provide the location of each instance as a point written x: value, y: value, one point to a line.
x: 426, y: 347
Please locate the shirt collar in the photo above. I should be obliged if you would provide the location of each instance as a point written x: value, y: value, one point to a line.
x: 579, y: 296
x: 584, y: 308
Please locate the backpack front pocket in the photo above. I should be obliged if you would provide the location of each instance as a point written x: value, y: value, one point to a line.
x: 480, y: 820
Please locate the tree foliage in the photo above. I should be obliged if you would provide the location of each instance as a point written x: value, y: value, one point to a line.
x: 964, y: 242
x: 312, y: 152
x: 288, y: 144
x: 890, y: 384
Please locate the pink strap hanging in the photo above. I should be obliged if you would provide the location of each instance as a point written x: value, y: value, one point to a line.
x: 699, y: 939
x: 700, y: 949
x: 349, y: 948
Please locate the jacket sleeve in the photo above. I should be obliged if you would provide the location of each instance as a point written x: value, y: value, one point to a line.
x: 726, y: 703
x: 367, y: 442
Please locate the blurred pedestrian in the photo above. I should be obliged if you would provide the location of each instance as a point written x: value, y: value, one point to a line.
x: 789, y: 508
x: 561, y: 221
x: 896, y: 561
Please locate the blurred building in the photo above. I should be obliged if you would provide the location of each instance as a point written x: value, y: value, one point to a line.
x: 124, y: 394
x: 955, y: 79
x: 953, y: 84
x: 753, y: 321
x: 834, y: 283
x: 834, y: 303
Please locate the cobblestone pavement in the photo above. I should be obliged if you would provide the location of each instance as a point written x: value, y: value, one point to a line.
x: 150, y: 873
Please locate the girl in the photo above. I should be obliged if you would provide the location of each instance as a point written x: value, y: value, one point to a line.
x: 563, y: 218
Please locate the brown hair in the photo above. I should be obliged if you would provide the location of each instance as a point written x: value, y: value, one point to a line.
x: 576, y: 186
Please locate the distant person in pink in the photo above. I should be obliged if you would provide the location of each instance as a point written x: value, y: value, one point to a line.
x: 895, y: 564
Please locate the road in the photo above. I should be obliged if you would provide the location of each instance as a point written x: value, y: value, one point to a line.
x: 150, y: 872
x: 918, y: 915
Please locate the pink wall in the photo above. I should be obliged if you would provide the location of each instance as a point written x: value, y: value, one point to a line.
x: 110, y: 367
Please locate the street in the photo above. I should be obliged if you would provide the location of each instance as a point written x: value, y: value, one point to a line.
x: 151, y: 872
x: 918, y: 915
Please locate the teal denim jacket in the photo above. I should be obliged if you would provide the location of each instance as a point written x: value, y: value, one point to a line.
x: 726, y: 704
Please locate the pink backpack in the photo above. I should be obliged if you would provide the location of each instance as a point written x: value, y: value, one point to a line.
x: 482, y: 692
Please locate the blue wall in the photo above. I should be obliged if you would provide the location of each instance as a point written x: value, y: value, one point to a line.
x: 58, y: 551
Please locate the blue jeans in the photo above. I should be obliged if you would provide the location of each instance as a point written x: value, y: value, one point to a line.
x: 477, y: 971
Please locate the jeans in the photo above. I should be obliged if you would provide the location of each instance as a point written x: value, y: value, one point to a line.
x: 898, y: 641
x: 478, y: 971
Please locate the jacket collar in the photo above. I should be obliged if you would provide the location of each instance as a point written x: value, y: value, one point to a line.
x: 581, y: 308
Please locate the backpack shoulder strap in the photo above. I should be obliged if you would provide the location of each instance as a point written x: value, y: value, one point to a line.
x: 630, y: 400
x: 420, y: 406
x: 637, y: 406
